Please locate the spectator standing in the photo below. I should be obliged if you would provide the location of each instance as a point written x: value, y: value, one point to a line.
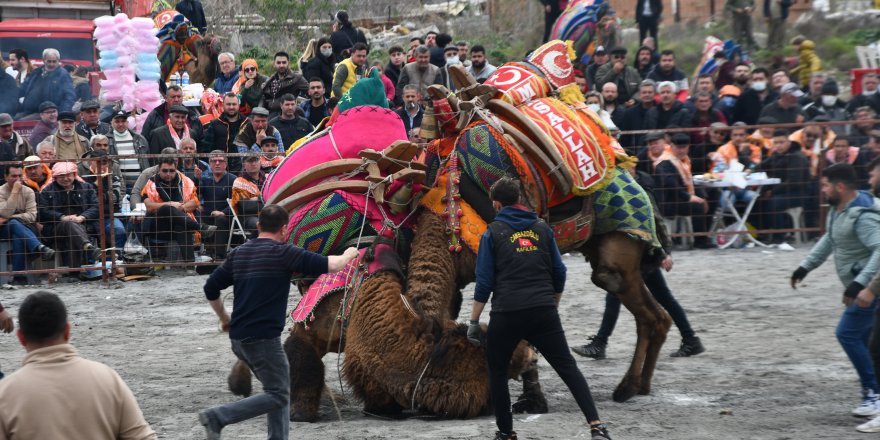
x: 648, y: 17
x: 830, y: 106
x: 414, y: 42
x: 480, y: 67
x: 260, y: 272
x: 412, y: 111
x: 193, y: 11
x: 786, y: 110
x: 20, y: 65
x: 420, y: 73
x: 644, y: 61
x: 665, y: 70
x: 775, y: 12
x: 808, y: 62
x: 789, y: 164
x: 48, y: 82
x: 90, y: 120
x: 396, y: 60
x: 284, y: 81
x: 220, y: 133
x: 171, y: 201
x: 317, y: 107
x: 47, y: 124
x: 635, y: 117
x: 128, y: 142
x: 626, y: 77
x: 757, y: 96
x: 450, y: 54
x: 18, y: 218
x: 228, y: 75
x: 52, y: 371
x: 741, y: 12
x: 552, y: 10
x: 525, y: 278
x: 345, y: 36
x: 8, y: 95
x: 599, y: 59
x: 249, y: 87
x: 669, y: 112
x: 67, y: 207
x: 69, y: 145
x: 438, y: 52
x: 869, y: 96
x: 853, y: 236
x: 350, y: 70
x: 214, y: 189
x: 289, y: 124
x: 12, y: 144
x: 321, y: 66
x: 463, y: 53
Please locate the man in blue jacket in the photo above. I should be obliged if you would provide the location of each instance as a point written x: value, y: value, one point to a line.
x: 48, y: 82
x: 519, y: 266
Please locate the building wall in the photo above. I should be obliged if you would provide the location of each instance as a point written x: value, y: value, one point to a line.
x: 699, y: 11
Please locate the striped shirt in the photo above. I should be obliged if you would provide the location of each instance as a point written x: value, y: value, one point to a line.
x: 260, y: 272
x: 130, y: 168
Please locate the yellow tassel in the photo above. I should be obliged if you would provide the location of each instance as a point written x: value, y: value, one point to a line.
x: 572, y: 55
x: 571, y: 94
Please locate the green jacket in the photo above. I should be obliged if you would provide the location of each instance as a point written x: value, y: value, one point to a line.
x: 854, y: 238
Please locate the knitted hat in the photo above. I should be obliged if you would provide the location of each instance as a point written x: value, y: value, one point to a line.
x: 368, y: 91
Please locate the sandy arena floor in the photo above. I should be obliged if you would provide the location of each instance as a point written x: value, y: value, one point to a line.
x: 772, y: 369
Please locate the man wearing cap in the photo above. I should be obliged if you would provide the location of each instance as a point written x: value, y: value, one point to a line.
x: 247, y: 197
x: 676, y: 194
x: 626, y: 77
x: 37, y: 175
x: 450, y: 53
x: 170, y: 134
x: 649, y: 157
x: 66, y: 208
x: 786, y: 109
x: 172, y: 201
x: 48, y: 82
x: 11, y: 143
x: 253, y: 131
x: 271, y: 157
x: 829, y: 105
x: 127, y: 142
x: 289, y: 124
x: 214, y: 189
x: 96, y: 165
x: 47, y: 125
x: 86, y: 168
x: 69, y: 145
x: 757, y: 96
x: 18, y: 216
x: 90, y: 124
x: 159, y: 116
x: 599, y: 59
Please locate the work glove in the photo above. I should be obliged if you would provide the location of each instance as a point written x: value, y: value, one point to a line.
x: 474, y: 332
x: 853, y: 289
x: 799, y: 276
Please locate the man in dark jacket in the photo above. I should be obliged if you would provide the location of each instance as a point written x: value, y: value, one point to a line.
x: 289, y: 123
x: 220, y: 133
x: 48, y: 82
x: 169, y: 136
x: 396, y: 60
x: 159, y: 116
x: 786, y: 109
x: 67, y: 209
x: 635, y: 118
x: 520, y: 267
x: 214, y: 188
x: 789, y: 164
x: 251, y: 134
x: 8, y: 95
x: 626, y: 77
x: 670, y: 111
x: 284, y: 81
x: 90, y: 120
x: 317, y: 107
x: 666, y: 70
x: 648, y: 17
x: 676, y: 195
x: 758, y: 95
x: 193, y: 11
x: 411, y: 113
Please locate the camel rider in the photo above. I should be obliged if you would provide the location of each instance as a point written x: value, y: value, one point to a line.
x: 520, y: 267
x: 260, y: 272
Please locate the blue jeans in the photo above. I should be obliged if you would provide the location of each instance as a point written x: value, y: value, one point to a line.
x: 853, y: 332
x: 118, y: 233
x: 23, y: 241
x: 266, y: 359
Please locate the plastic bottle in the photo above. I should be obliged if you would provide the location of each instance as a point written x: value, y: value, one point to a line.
x: 175, y: 79
x: 184, y: 80
x: 126, y: 204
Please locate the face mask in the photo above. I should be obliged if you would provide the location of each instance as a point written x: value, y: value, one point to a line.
x: 452, y: 60
x: 828, y: 101
x: 326, y: 52
x: 759, y: 86
x: 728, y: 101
x: 593, y: 107
x: 869, y: 93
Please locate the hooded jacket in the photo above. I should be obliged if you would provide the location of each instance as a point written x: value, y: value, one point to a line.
x: 808, y: 63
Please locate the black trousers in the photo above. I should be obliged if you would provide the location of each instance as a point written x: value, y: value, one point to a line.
x: 173, y: 224
x: 656, y: 283
x: 69, y: 239
x: 649, y: 26
x: 221, y: 235
x: 542, y: 328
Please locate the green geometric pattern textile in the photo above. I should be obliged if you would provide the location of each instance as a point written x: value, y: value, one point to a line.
x: 324, y: 225
x: 625, y: 207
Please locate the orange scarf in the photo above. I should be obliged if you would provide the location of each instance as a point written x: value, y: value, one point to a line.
x: 173, y: 132
x: 250, y: 62
x: 683, y: 166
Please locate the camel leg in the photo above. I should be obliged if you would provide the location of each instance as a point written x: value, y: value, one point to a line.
x: 306, y: 376
x: 239, y: 379
x: 532, y: 399
x: 615, y: 259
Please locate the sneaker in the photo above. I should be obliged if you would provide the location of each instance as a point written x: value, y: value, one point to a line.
x: 207, y: 231
x: 872, y: 425
x: 689, y: 347
x: 96, y: 253
x: 212, y: 428
x: 500, y: 436
x: 46, y: 253
x: 869, y: 407
x: 595, y: 349
x: 599, y: 431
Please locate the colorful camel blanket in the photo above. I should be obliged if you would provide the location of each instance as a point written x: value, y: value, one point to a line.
x: 371, y: 261
x: 624, y: 206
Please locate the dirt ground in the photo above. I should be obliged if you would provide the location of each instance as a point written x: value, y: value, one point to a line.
x: 772, y: 369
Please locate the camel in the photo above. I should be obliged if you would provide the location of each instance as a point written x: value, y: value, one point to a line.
x: 183, y: 48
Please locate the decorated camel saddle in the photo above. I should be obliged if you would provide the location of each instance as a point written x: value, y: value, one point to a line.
x: 350, y: 183
x: 529, y: 120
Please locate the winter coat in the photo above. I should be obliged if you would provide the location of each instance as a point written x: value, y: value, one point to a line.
x: 344, y: 39
x: 223, y: 85
x: 808, y: 63
x: 55, y: 203
x: 55, y: 86
x: 659, y: 118
x: 8, y: 95
x: 220, y: 133
x: 791, y: 167
x: 320, y: 67
x: 251, y: 96
x: 159, y: 118
x: 656, y: 10
x: 627, y: 81
x: 292, y: 83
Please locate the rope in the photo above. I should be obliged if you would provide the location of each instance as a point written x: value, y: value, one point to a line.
x: 419, y: 381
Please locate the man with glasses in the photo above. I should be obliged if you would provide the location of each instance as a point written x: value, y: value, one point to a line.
x: 47, y: 125
x: 228, y: 75
x: 214, y: 189
x: 47, y: 83
x: 90, y: 120
x: 172, y: 201
x: 617, y: 71
x: 284, y: 81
